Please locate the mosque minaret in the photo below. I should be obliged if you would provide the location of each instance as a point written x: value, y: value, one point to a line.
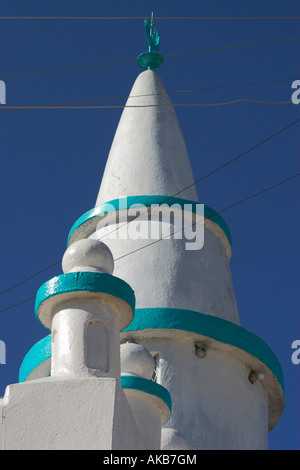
x: 145, y: 349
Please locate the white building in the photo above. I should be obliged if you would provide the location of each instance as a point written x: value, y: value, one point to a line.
x: 190, y: 377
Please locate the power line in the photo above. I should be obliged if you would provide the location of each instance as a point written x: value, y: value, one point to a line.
x: 156, y: 241
x: 240, y: 155
x: 30, y: 277
x: 176, y: 194
x: 215, y: 213
x: 195, y: 105
x: 19, y: 303
x: 161, y: 93
x: 70, y: 68
x: 155, y: 17
x: 232, y: 47
x: 164, y: 55
x: 210, y: 173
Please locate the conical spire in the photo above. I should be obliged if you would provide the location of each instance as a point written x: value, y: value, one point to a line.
x: 148, y: 154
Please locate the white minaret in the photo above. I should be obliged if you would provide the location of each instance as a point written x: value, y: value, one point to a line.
x: 225, y: 383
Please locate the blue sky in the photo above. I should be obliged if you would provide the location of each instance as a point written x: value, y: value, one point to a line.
x: 52, y: 159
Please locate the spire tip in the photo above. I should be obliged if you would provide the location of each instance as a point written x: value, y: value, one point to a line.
x: 151, y: 59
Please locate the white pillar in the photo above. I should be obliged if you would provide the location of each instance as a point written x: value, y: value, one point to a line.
x: 149, y: 402
x: 85, y: 320
x: 85, y: 339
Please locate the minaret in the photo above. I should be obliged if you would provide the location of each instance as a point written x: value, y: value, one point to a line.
x: 85, y: 403
x: 225, y: 383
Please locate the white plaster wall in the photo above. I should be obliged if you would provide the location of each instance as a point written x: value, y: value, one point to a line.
x: 85, y: 339
x: 214, y: 405
x: 147, y: 417
x: 60, y: 414
x: 166, y: 274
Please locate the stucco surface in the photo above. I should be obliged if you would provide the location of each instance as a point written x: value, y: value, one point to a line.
x: 60, y: 414
x: 148, y: 154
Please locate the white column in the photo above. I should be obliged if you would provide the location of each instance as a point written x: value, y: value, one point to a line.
x: 144, y: 396
x: 85, y: 328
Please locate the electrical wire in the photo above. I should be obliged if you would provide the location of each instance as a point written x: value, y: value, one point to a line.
x: 232, y: 47
x: 154, y: 17
x: 176, y: 194
x: 30, y: 277
x: 158, y: 94
x: 156, y: 241
x: 210, y: 173
x: 212, y: 215
x: 19, y: 303
x: 163, y: 55
x: 179, y: 91
x: 194, y: 105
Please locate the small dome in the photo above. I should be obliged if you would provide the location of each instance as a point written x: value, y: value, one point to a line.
x: 136, y: 360
x: 88, y: 255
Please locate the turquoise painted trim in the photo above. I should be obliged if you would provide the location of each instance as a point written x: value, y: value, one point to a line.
x: 147, y: 386
x: 206, y: 325
x: 38, y: 354
x: 136, y: 201
x: 178, y: 319
x: 85, y: 281
x: 150, y: 60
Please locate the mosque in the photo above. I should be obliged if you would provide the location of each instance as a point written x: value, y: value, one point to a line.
x: 145, y: 349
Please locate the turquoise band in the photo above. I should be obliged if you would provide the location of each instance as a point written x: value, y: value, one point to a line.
x: 150, y: 60
x: 85, y: 281
x: 38, y: 354
x: 178, y: 319
x: 41, y: 352
x: 136, y: 201
x: 206, y: 325
x: 147, y: 386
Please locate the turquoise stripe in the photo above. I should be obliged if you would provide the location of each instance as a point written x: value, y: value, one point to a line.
x: 85, y: 281
x: 140, y: 201
x: 147, y: 386
x: 178, y: 319
x: 206, y: 325
x: 39, y: 353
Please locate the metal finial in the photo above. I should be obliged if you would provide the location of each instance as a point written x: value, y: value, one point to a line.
x: 152, y: 34
x: 151, y: 59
